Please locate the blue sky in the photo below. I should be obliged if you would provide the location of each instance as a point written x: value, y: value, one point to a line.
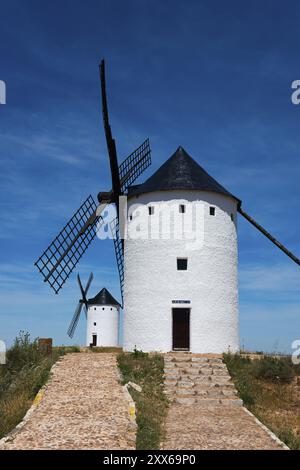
x: 212, y: 76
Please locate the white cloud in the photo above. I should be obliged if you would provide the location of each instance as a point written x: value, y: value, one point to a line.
x: 278, y: 278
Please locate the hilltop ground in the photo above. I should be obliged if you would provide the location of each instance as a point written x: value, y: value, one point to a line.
x: 270, y: 388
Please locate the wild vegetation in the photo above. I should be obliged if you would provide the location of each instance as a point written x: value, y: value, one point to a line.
x: 104, y: 349
x: 151, y: 404
x: 270, y: 389
x: 25, y: 372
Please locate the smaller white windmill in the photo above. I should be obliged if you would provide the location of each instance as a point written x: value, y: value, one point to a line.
x: 102, y: 313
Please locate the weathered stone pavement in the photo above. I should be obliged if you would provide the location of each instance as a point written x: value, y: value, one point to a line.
x: 205, y: 411
x: 83, y: 407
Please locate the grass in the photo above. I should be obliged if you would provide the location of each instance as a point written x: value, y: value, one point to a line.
x: 25, y: 372
x: 104, y: 349
x: 151, y: 404
x: 268, y: 387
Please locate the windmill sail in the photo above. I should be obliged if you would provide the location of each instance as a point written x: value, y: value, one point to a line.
x: 269, y: 236
x: 75, y: 320
x: 114, y: 225
x: 134, y: 165
x: 62, y: 255
x: 82, y: 301
x: 111, y: 145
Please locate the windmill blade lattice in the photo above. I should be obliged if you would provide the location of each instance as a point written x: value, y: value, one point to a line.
x: 75, y: 320
x: 62, y: 255
x: 114, y: 226
x: 134, y: 165
x: 82, y: 302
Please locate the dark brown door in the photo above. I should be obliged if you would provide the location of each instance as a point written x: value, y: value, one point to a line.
x: 181, y: 328
x: 94, y: 343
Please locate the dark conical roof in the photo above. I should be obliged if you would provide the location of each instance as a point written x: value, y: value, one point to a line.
x: 180, y: 171
x: 104, y: 297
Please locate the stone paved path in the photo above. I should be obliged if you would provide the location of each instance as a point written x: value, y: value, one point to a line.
x: 84, y: 407
x: 205, y: 412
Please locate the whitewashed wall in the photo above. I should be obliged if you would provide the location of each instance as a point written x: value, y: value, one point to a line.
x: 106, y: 318
x: 210, y: 283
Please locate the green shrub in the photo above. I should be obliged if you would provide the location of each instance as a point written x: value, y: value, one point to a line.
x: 105, y: 349
x: 240, y: 369
x: 23, y: 352
x: 288, y: 437
x: 138, y: 353
x: 62, y: 350
x: 273, y: 369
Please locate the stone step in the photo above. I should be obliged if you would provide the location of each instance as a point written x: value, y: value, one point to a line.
x: 220, y: 372
x: 209, y: 385
x: 199, y: 380
x: 221, y: 380
x: 185, y: 401
x: 232, y: 401
x: 207, y: 401
x: 172, y: 376
x: 185, y: 384
x: 170, y: 383
x: 179, y: 359
x: 206, y: 371
x: 203, y: 390
x: 171, y: 373
x: 210, y: 360
x: 184, y: 392
x: 212, y: 393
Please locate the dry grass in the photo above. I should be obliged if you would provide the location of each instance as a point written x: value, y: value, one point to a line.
x: 275, y: 400
x: 25, y: 372
x: 103, y: 349
x: 147, y: 371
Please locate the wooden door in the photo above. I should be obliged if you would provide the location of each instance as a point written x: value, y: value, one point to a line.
x: 181, y: 328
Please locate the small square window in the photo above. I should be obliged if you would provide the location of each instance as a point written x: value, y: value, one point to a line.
x: 182, y: 264
x: 151, y: 210
x: 130, y: 217
x: 95, y: 308
x: 212, y: 210
x: 95, y: 323
x: 181, y: 208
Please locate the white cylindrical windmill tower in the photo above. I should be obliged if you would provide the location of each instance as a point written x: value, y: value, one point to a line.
x: 181, y: 291
x: 103, y: 312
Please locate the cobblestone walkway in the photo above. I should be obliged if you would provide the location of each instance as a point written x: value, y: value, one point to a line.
x: 205, y: 412
x: 84, y: 407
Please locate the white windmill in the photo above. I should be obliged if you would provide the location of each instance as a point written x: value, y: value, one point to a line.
x: 174, y: 297
x: 102, y: 314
